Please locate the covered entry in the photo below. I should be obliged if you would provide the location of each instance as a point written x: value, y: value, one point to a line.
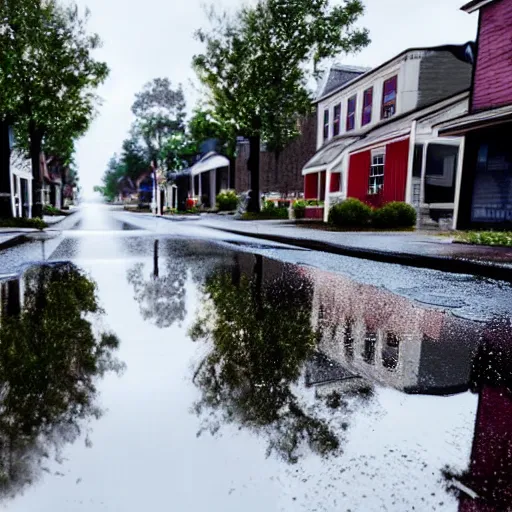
x: 209, y: 175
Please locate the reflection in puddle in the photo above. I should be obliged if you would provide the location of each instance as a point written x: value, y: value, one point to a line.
x: 274, y: 330
x: 50, y: 359
x: 360, y: 399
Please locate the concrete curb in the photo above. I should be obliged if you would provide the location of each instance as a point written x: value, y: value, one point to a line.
x: 13, y: 242
x: 445, y: 264
x: 26, y: 236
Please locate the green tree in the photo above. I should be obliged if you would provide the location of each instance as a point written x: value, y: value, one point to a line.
x: 53, y: 74
x: 134, y: 157
x: 51, y: 356
x: 112, y: 177
x: 256, y: 65
x: 160, y: 112
x: 205, y: 124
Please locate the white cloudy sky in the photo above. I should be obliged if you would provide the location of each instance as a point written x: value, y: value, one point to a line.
x: 152, y: 38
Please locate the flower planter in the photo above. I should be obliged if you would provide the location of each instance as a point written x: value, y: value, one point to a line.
x: 314, y: 212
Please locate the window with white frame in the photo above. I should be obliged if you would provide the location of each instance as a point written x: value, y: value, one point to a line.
x: 326, y: 124
x: 376, y: 180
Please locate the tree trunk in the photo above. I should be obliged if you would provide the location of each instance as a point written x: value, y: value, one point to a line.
x: 156, y: 271
x: 257, y: 287
x: 254, y: 168
x: 232, y: 172
x: 37, y: 177
x: 5, y: 172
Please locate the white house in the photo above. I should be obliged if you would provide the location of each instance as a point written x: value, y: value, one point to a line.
x: 376, y: 135
x: 21, y: 185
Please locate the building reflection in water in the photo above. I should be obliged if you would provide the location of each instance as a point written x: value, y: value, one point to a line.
x: 390, y: 340
x: 51, y: 356
x: 274, y: 326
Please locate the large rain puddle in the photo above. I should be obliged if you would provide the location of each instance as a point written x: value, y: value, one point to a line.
x: 193, y: 378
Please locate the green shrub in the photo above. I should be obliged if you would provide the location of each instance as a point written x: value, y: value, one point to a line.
x: 299, y: 205
x: 351, y: 213
x: 299, y: 209
x: 35, y: 223
x: 227, y: 200
x: 51, y: 211
x: 394, y: 215
x: 267, y: 214
x: 314, y: 202
x: 268, y: 206
x: 499, y: 238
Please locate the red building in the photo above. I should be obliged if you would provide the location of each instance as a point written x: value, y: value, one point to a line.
x: 376, y: 139
x: 486, y: 194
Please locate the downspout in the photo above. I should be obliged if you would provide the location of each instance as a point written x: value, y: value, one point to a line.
x: 410, y: 164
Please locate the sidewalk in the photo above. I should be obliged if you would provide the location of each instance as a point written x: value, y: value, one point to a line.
x: 10, y: 237
x: 408, y: 248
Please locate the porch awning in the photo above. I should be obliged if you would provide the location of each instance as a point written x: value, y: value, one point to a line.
x: 327, y: 155
x: 466, y: 123
x: 209, y: 162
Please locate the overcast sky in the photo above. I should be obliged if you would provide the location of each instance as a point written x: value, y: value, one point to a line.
x: 154, y: 38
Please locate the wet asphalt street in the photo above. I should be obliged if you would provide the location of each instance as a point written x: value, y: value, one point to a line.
x: 148, y: 364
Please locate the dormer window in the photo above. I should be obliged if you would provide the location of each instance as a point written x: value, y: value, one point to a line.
x: 326, y: 124
x: 336, y: 124
x: 367, y: 107
x: 389, y: 97
x: 351, y: 113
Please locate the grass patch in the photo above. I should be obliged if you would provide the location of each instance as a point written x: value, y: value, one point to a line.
x: 51, y: 211
x: 19, y: 222
x: 491, y: 238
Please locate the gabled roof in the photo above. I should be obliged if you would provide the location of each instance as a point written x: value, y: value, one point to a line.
x: 339, y: 75
x: 209, y: 162
x: 475, y: 5
x: 457, y: 50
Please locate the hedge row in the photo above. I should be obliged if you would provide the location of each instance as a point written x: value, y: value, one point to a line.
x: 353, y: 213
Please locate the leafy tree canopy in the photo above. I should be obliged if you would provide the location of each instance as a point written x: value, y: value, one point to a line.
x: 160, y: 112
x: 206, y: 124
x: 48, y: 76
x: 256, y: 64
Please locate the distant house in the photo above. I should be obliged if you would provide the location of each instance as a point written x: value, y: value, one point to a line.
x: 486, y: 193
x: 376, y: 139
x: 281, y: 174
x: 53, y: 185
x: 201, y: 182
x: 21, y: 185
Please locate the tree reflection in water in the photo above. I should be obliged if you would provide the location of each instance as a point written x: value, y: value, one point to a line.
x: 261, y: 337
x: 161, y: 297
x: 50, y: 359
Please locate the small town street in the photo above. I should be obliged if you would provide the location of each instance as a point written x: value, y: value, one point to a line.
x: 367, y: 375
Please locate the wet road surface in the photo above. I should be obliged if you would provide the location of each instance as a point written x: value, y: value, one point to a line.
x: 147, y: 364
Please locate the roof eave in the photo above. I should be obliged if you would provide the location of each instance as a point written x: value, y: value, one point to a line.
x: 475, y: 5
